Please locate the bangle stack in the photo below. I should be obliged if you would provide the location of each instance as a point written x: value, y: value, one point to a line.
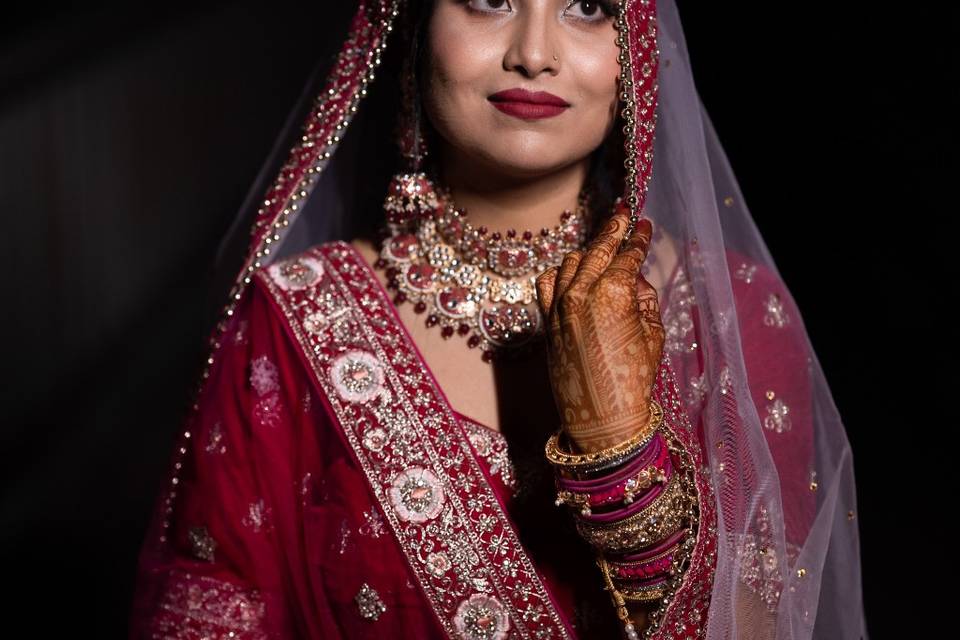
x: 635, y: 504
x: 622, y: 486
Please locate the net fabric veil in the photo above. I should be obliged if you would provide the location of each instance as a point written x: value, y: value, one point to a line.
x: 788, y: 546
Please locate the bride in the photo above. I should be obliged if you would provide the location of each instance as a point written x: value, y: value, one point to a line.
x: 507, y: 358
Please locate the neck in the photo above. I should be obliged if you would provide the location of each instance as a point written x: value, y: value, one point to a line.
x: 501, y: 202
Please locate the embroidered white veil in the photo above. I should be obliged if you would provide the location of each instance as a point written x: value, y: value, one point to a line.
x: 788, y: 561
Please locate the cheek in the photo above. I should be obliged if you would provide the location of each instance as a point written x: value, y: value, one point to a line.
x: 455, y: 76
x: 597, y: 79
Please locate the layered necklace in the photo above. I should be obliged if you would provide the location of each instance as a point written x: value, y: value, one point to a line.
x: 468, y: 281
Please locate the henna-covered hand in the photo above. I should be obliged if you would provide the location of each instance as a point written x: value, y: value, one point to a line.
x: 605, y: 335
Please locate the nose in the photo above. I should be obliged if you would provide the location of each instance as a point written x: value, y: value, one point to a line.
x: 533, y: 42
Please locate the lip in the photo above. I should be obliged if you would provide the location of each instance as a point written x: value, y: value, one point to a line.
x: 528, y: 105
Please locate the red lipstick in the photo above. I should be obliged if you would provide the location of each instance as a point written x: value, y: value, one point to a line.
x: 528, y: 105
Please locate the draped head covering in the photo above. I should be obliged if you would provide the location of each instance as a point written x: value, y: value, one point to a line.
x: 775, y: 449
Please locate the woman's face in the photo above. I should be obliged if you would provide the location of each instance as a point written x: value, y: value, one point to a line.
x: 478, y: 48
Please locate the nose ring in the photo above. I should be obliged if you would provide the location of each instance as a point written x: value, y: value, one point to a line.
x: 555, y: 58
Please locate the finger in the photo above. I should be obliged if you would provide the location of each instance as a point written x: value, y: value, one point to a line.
x: 567, y: 270
x: 601, y: 250
x: 545, y: 284
x: 634, y: 251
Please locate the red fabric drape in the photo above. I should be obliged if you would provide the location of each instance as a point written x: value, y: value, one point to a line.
x: 274, y: 528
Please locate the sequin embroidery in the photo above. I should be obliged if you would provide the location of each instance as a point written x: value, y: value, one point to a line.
x: 481, y: 617
x: 774, y: 315
x: 202, y: 543
x: 296, y: 274
x: 373, y: 524
x: 263, y: 376
x: 369, y: 602
x: 204, y: 607
x: 698, y: 390
x: 745, y: 272
x: 677, y: 317
x: 215, y: 442
x: 777, y: 419
x: 257, y: 518
x: 492, y: 447
x: 357, y: 376
x: 267, y: 410
x: 416, y: 494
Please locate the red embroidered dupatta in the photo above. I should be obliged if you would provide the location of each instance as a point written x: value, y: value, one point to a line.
x: 317, y: 423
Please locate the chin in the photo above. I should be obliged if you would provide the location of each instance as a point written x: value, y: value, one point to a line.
x: 527, y: 159
x: 527, y: 164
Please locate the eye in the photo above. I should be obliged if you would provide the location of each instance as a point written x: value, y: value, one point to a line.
x: 492, y: 6
x: 593, y: 10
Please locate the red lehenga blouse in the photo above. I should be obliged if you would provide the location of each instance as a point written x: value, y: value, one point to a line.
x: 325, y: 487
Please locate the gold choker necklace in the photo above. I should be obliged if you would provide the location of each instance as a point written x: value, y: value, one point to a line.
x: 467, y: 281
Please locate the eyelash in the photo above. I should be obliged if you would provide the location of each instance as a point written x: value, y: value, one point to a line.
x: 607, y: 12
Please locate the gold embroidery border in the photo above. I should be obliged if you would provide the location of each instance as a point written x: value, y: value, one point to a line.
x: 294, y: 310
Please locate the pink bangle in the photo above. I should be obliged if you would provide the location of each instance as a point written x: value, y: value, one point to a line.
x: 636, y: 506
x: 621, y: 487
x: 649, y: 564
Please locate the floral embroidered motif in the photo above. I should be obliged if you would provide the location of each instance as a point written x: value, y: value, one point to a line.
x: 726, y: 380
x: 240, y: 335
x: 438, y: 564
x: 492, y: 447
x: 215, y: 442
x: 263, y: 376
x: 258, y: 516
x: 677, y: 317
x: 698, y: 390
x: 774, y: 315
x: 760, y: 564
x: 481, y: 617
x: 317, y: 322
x: 374, y: 439
x: 296, y: 274
x: 202, y: 542
x: 204, y: 607
x: 720, y: 324
x: 416, y: 494
x: 374, y: 526
x: 266, y: 411
x: 745, y: 272
x: 776, y: 418
x: 369, y: 602
x: 357, y: 376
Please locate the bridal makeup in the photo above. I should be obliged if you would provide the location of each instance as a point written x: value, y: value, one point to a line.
x: 528, y: 87
x: 528, y: 105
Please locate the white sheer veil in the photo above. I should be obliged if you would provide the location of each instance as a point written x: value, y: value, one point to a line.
x: 774, y: 577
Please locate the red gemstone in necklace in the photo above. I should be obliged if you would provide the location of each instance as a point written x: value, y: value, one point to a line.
x: 453, y: 300
x: 513, y: 258
x: 420, y: 276
x: 404, y: 246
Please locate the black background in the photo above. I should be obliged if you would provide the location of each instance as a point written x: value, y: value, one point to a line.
x: 128, y: 141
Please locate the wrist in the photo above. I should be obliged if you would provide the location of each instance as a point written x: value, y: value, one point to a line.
x: 597, y: 435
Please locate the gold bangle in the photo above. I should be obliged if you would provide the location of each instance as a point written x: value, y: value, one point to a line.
x: 617, y: 453
x: 658, y: 520
x: 652, y: 592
